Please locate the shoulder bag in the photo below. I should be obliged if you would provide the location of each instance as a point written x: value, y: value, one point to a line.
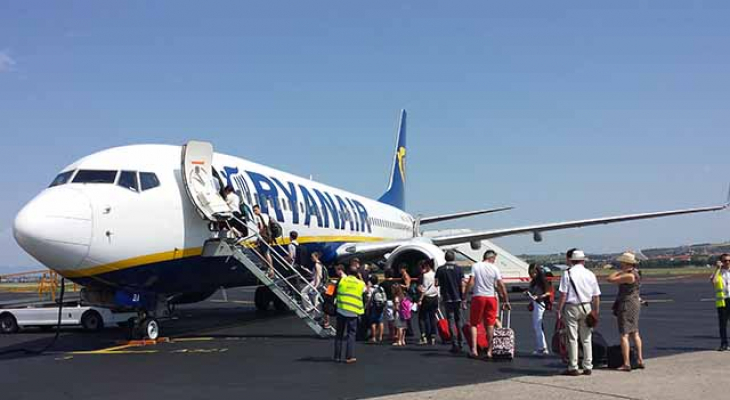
x: 591, y: 320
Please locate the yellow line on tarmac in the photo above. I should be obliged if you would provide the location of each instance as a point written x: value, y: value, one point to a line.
x: 115, y: 350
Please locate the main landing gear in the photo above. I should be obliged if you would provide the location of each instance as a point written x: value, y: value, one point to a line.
x: 263, y: 298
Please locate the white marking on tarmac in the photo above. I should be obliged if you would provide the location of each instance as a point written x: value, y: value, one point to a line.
x: 232, y: 301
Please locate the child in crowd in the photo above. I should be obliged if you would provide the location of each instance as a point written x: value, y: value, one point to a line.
x: 403, y: 305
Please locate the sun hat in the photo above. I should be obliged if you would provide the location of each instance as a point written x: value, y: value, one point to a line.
x: 628, y: 258
x: 578, y: 255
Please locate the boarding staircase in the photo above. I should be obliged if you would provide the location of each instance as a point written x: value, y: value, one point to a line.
x: 282, y: 278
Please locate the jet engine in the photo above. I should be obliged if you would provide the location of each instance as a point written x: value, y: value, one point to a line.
x: 412, y: 253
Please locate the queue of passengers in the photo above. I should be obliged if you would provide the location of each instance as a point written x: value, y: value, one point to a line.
x: 394, y: 301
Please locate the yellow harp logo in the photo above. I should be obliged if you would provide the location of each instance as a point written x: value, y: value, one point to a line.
x: 402, y: 162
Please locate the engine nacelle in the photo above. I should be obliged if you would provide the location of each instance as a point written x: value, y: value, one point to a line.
x: 414, y: 252
x: 476, y: 245
x: 537, y: 236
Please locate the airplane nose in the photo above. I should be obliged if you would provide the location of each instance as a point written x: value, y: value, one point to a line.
x: 55, y: 227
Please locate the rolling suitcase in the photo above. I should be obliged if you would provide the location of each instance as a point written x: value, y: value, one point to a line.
x: 503, y: 346
x: 481, y: 335
x: 443, y: 327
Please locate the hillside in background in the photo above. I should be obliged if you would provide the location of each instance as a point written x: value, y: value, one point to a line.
x: 680, y: 256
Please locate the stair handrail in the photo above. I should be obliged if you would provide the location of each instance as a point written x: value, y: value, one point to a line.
x: 279, y: 258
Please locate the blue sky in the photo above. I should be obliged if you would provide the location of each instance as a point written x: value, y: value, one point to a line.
x: 565, y: 110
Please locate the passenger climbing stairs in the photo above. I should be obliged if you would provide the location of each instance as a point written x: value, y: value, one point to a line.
x: 282, y: 278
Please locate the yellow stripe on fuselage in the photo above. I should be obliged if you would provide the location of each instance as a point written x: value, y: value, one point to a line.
x: 192, y: 252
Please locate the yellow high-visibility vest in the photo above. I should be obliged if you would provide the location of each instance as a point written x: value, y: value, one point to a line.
x: 349, y: 295
x: 719, y: 290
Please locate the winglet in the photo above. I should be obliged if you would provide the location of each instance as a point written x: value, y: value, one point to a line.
x: 727, y: 201
x: 395, y: 195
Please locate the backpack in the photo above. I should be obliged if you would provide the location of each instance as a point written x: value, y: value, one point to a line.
x: 404, y: 311
x: 275, y: 230
x: 379, y: 298
x: 328, y: 306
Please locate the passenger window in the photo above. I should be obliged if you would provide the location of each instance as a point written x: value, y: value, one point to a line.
x: 128, y: 180
x: 95, y: 176
x: 61, y: 179
x: 148, y: 180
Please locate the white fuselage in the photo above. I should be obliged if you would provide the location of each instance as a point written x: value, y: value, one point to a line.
x: 108, y: 234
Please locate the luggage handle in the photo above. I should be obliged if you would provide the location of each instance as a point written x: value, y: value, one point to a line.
x: 501, y: 315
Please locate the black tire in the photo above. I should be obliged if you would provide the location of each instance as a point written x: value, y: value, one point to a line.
x: 92, y: 321
x: 8, y: 323
x: 262, y: 298
x: 279, y: 305
x: 133, y: 330
x: 150, y: 329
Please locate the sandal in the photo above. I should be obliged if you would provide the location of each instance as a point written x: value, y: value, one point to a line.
x: 624, y: 368
x: 640, y: 366
x: 473, y: 356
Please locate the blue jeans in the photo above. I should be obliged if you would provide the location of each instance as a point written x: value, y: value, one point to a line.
x: 346, y: 330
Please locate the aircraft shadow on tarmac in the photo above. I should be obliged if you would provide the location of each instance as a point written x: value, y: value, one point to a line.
x: 187, y: 323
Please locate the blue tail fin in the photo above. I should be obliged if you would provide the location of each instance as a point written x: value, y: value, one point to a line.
x: 396, y: 193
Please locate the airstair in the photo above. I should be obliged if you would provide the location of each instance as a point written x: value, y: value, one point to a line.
x: 282, y: 278
x: 278, y: 274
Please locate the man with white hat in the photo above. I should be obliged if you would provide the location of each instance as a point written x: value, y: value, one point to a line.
x: 579, y: 302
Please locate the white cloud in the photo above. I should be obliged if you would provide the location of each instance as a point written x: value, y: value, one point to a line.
x: 6, y: 62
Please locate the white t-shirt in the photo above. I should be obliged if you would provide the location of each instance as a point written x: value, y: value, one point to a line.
x: 262, y: 219
x: 234, y: 202
x: 585, y: 282
x: 293, y: 250
x: 429, y: 284
x: 485, y: 276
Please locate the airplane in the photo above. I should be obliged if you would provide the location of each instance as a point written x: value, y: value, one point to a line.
x: 131, y: 223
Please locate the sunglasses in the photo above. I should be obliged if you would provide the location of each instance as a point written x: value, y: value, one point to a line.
x: 726, y: 260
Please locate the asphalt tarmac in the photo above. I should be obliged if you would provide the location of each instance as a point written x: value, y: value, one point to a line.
x: 224, y: 349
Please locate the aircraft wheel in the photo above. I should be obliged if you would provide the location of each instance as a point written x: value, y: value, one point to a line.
x: 92, y: 321
x: 8, y: 323
x: 151, y: 328
x: 262, y: 298
x: 134, y: 329
x: 279, y: 305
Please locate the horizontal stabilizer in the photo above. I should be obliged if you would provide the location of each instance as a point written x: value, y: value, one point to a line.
x: 448, y: 217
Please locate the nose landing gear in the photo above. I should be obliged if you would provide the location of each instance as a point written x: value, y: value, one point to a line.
x: 143, y: 327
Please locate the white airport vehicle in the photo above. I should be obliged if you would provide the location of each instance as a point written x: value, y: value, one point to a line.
x: 146, y: 226
x: 91, y: 319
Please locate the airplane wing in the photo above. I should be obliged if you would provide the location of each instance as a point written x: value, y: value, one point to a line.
x: 537, y: 229
x: 382, y: 248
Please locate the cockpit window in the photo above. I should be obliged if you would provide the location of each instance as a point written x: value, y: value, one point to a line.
x: 148, y: 180
x: 61, y: 179
x: 128, y: 180
x: 94, y: 176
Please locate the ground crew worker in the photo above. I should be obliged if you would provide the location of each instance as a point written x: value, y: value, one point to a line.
x: 350, y: 306
x: 721, y: 280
